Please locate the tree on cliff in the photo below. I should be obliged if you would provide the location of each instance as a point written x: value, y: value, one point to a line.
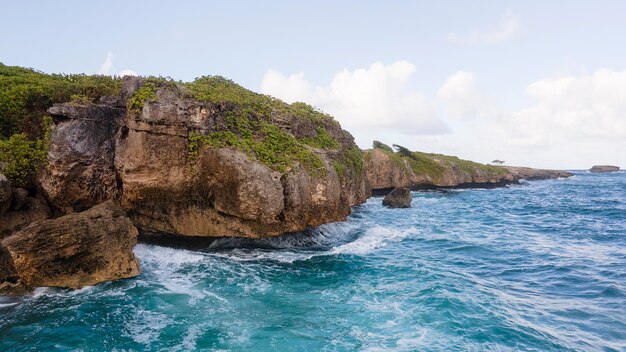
x: 403, y: 151
x: 497, y: 161
x: 381, y: 145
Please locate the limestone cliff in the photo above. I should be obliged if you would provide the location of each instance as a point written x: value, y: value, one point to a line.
x: 191, y: 167
x: 387, y: 169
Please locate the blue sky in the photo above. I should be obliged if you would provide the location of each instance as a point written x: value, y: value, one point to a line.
x: 530, y: 82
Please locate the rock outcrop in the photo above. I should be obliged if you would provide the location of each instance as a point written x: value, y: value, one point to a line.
x: 387, y: 170
x: 144, y: 159
x: 398, y: 198
x: 604, y: 168
x: 531, y: 174
x: 75, y: 250
x: 80, y: 171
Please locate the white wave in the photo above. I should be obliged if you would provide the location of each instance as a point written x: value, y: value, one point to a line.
x: 165, y: 256
x: 373, y: 239
x: 146, y: 326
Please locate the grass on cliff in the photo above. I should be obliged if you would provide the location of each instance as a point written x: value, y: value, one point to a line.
x: 26, y: 94
x: 249, y: 126
x: 261, y: 141
x: 434, y: 165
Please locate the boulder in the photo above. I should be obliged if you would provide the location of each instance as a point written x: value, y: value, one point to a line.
x: 604, y: 168
x: 5, y: 194
x: 398, y: 198
x: 80, y: 249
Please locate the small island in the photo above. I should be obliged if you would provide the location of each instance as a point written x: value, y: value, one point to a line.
x: 604, y: 168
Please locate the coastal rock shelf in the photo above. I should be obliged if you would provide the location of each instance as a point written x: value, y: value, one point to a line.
x: 387, y: 170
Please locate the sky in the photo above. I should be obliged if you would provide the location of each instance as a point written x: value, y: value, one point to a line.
x: 533, y: 83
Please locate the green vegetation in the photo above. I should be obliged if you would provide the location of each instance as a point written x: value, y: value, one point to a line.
x: 26, y: 94
x: 431, y: 164
x: 248, y: 126
x: 146, y: 93
x: 23, y: 156
x: 381, y: 145
x: 262, y: 141
x: 249, y: 118
x: 350, y: 162
x: 322, y: 140
x: 218, y: 89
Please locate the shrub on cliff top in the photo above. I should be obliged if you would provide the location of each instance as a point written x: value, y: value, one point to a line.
x: 26, y: 94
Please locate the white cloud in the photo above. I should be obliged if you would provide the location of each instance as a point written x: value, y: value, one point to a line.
x: 107, y: 67
x: 576, y: 121
x: 584, y: 107
x: 459, y: 96
x: 510, y: 27
x: 366, y: 101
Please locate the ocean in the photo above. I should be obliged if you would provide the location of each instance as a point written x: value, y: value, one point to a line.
x: 539, y: 266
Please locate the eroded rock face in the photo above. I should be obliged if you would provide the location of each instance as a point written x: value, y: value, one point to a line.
x: 142, y: 159
x: 80, y: 171
x: 75, y: 250
x: 398, y: 198
x: 604, y: 168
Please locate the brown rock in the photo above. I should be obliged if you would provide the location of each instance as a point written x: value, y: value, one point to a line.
x: 398, y: 198
x: 75, y: 250
x: 604, y: 168
x: 80, y: 171
x: 142, y: 159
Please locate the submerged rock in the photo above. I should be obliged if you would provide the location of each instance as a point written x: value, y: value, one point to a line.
x: 398, y: 198
x: 80, y: 249
x: 604, y: 168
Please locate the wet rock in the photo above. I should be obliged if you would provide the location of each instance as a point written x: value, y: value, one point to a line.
x: 398, y: 198
x: 80, y: 249
x: 604, y: 168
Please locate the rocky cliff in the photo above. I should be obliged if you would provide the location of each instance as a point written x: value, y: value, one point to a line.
x: 387, y: 169
x: 184, y: 166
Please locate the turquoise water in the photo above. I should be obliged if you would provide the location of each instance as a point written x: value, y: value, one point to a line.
x: 535, y: 267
